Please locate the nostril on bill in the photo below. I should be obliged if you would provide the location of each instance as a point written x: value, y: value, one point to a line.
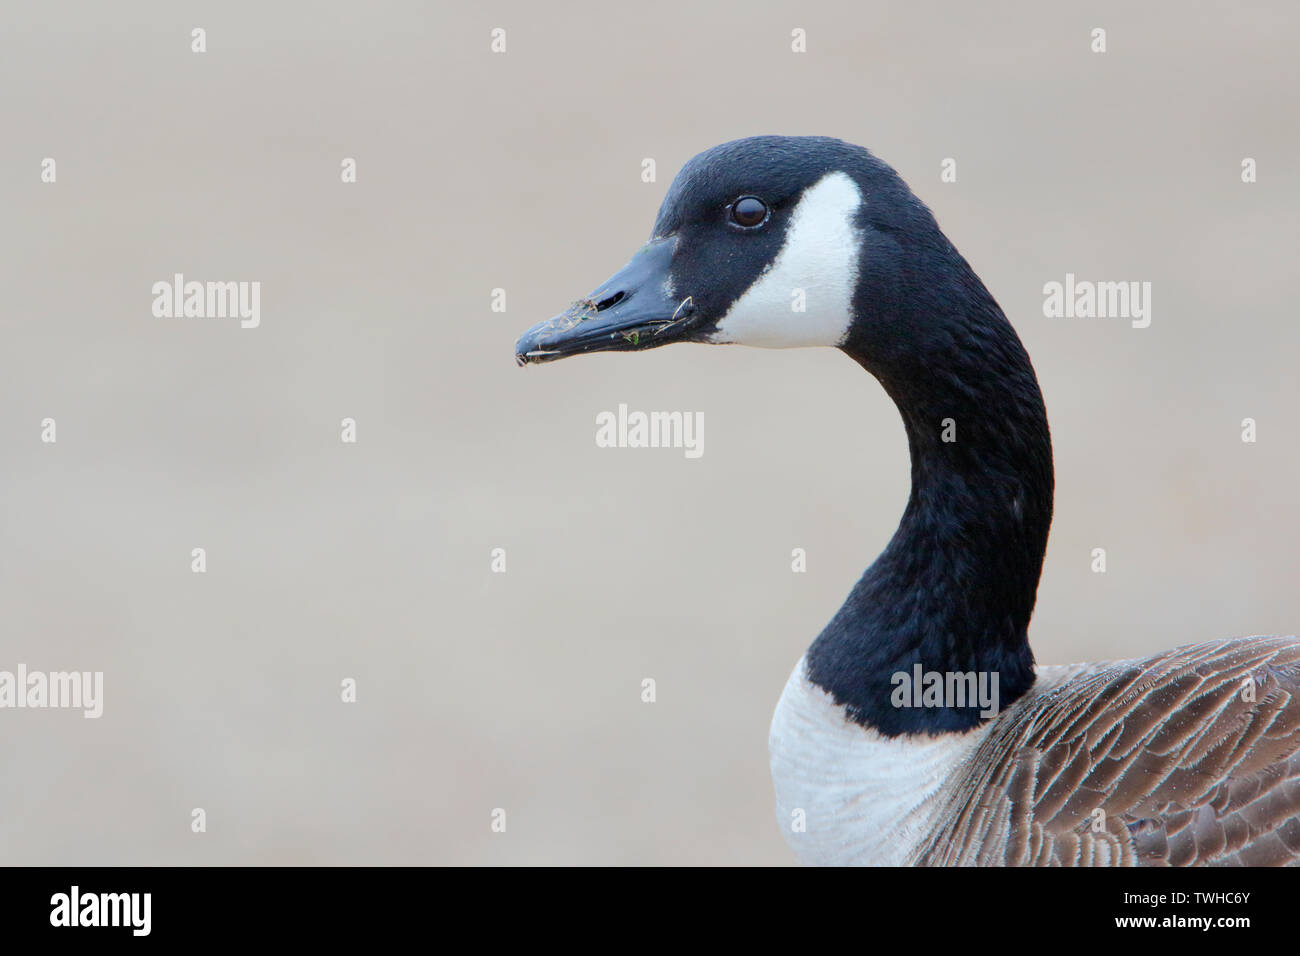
x: 610, y: 301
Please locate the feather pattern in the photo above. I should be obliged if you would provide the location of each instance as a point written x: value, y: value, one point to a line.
x: 1190, y: 757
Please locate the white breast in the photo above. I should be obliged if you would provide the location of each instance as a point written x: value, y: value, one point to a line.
x: 865, y: 798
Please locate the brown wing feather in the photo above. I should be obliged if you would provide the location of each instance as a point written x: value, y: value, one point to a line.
x: 1154, y: 762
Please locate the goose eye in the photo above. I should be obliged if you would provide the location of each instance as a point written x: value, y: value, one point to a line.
x: 748, y: 211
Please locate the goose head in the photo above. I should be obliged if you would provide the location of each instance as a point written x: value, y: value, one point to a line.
x: 770, y: 241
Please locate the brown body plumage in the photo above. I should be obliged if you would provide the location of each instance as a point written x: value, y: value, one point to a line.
x: 1190, y: 757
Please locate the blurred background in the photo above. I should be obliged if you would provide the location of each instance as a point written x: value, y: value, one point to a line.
x: 522, y: 171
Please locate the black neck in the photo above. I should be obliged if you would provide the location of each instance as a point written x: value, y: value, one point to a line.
x: 954, y: 589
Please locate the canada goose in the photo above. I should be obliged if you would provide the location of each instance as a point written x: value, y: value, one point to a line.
x: 1186, y: 757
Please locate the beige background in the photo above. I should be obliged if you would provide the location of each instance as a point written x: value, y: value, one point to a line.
x: 521, y: 171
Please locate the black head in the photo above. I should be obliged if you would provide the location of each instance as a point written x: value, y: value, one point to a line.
x: 775, y: 241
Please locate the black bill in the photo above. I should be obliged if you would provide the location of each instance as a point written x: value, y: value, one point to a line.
x: 632, y: 310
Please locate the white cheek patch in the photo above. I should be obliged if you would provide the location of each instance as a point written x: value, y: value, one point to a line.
x: 817, y: 269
